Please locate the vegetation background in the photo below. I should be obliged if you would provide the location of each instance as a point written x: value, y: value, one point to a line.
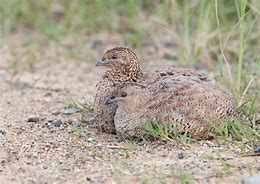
x: 217, y: 36
x: 221, y: 36
x: 219, y: 31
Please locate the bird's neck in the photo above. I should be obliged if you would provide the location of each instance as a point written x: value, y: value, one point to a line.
x: 116, y: 76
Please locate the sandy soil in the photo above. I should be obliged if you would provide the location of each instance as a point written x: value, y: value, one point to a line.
x: 38, y: 79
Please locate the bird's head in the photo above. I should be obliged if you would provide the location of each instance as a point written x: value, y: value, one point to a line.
x: 130, y: 97
x: 120, y: 58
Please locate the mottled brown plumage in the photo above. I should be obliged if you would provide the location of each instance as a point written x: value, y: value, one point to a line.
x: 191, y: 104
x: 124, y: 67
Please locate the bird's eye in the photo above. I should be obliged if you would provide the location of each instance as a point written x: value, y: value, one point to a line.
x: 124, y: 94
x: 114, y: 56
x: 112, y: 97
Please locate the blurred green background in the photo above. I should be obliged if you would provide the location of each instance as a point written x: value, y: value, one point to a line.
x: 226, y: 32
x: 219, y: 37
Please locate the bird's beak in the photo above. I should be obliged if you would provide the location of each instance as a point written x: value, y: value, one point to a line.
x: 101, y: 63
x: 111, y: 100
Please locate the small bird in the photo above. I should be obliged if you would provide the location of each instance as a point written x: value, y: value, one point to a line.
x: 180, y: 102
x: 124, y: 68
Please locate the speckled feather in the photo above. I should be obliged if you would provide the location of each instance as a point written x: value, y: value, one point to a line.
x: 178, y: 101
x: 112, y: 80
x: 174, y: 92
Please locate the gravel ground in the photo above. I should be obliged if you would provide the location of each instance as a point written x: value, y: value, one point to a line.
x: 42, y: 142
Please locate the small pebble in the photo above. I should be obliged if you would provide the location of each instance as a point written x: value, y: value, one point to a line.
x: 34, y: 119
x: 47, y: 94
x: 121, y: 153
x: 55, y: 112
x: 164, y: 154
x: 57, y: 123
x: 99, y: 145
x: 251, y: 180
x: 224, y: 158
x: 45, y: 167
x: 181, y: 155
x: 2, y: 131
x: 257, y: 149
x: 89, y: 139
x: 70, y: 111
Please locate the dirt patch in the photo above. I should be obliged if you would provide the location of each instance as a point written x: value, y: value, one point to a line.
x: 40, y: 80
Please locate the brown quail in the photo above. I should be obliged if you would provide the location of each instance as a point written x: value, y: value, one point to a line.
x: 124, y: 67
